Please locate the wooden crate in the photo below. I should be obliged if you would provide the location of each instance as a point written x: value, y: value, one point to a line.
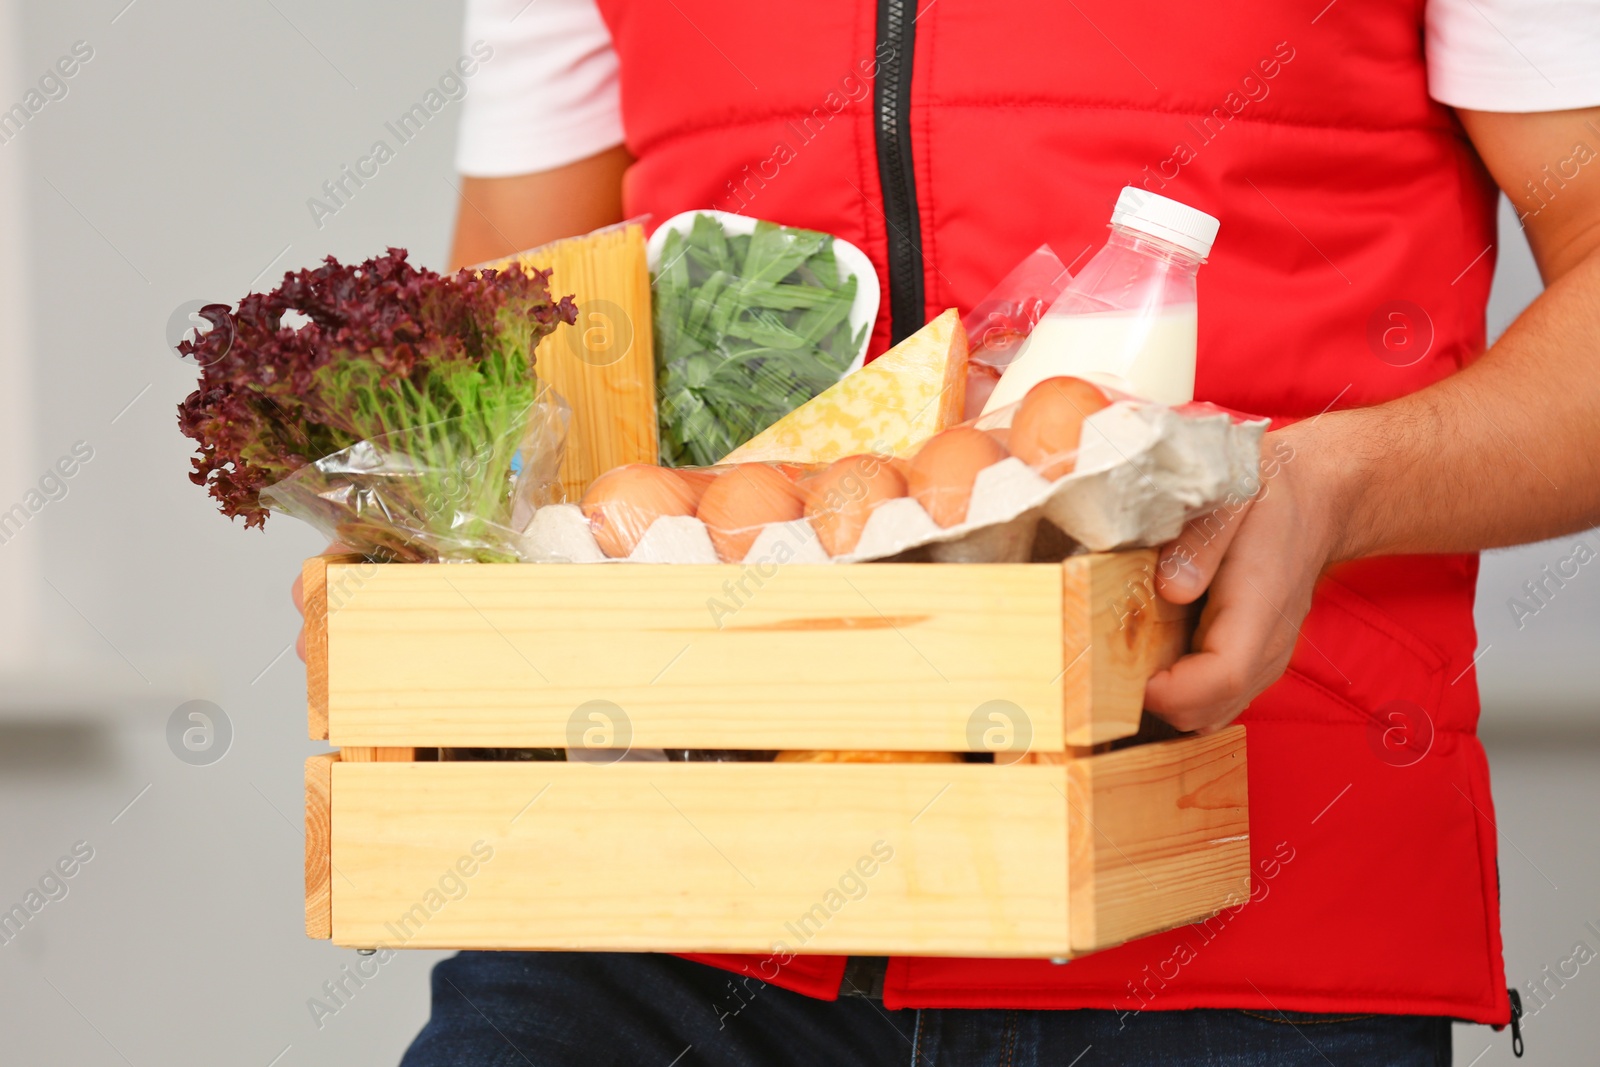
x: 1067, y: 850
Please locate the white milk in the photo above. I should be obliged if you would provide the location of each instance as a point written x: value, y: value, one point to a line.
x: 1150, y: 356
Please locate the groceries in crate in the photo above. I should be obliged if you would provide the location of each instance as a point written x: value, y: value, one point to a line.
x: 403, y: 416
x: 1109, y: 467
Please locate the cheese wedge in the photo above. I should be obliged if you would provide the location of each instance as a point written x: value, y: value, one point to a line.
x: 888, y: 407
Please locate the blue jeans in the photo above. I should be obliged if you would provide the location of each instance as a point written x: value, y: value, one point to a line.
x: 555, y: 1009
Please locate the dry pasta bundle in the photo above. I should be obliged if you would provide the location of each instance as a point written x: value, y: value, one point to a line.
x: 604, y: 367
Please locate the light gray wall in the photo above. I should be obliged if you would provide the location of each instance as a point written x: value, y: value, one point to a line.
x: 178, y: 167
x: 17, y: 567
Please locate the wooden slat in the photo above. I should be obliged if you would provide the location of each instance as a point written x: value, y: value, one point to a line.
x: 870, y: 656
x: 1160, y: 836
x: 1058, y: 758
x: 319, y: 843
x: 314, y: 602
x: 1116, y: 633
x: 965, y: 859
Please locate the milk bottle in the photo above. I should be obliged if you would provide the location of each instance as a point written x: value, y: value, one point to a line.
x: 1128, y: 320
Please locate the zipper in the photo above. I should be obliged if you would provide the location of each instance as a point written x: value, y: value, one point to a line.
x: 897, y: 35
x: 1516, y: 1023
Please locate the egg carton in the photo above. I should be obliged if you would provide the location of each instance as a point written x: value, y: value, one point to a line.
x: 1143, y: 470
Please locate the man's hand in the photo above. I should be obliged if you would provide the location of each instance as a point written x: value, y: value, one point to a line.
x: 1259, y: 559
x: 1500, y: 453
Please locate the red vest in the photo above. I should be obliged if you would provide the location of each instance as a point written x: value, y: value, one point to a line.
x: 1342, y: 189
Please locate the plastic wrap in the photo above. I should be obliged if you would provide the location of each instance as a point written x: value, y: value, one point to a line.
x: 999, y: 323
x: 485, y: 480
x: 752, y: 320
x: 1130, y: 318
x: 1130, y: 474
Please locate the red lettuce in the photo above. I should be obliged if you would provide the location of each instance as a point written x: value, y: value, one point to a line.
x: 386, y: 350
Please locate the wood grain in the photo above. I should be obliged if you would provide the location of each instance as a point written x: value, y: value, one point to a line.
x: 965, y: 860
x: 1160, y: 836
x: 1075, y: 850
x: 367, y: 754
x: 314, y: 608
x: 798, y: 657
x: 1116, y: 633
x: 813, y: 755
x: 319, y: 843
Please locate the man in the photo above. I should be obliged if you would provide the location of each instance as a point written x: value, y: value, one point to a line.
x: 1351, y: 151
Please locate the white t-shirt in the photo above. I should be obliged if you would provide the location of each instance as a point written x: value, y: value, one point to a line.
x: 548, y: 96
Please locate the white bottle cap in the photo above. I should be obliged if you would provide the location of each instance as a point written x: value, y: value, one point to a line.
x: 1182, y: 225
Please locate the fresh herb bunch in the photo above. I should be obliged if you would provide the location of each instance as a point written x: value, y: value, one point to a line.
x: 435, y: 369
x: 748, y: 328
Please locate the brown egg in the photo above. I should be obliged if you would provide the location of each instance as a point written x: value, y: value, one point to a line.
x: 797, y: 472
x: 622, y: 503
x: 742, y: 500
x: 1049, y: 422
x: 841, y: 499
x: 944, y: 469
x: 697, y: 480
